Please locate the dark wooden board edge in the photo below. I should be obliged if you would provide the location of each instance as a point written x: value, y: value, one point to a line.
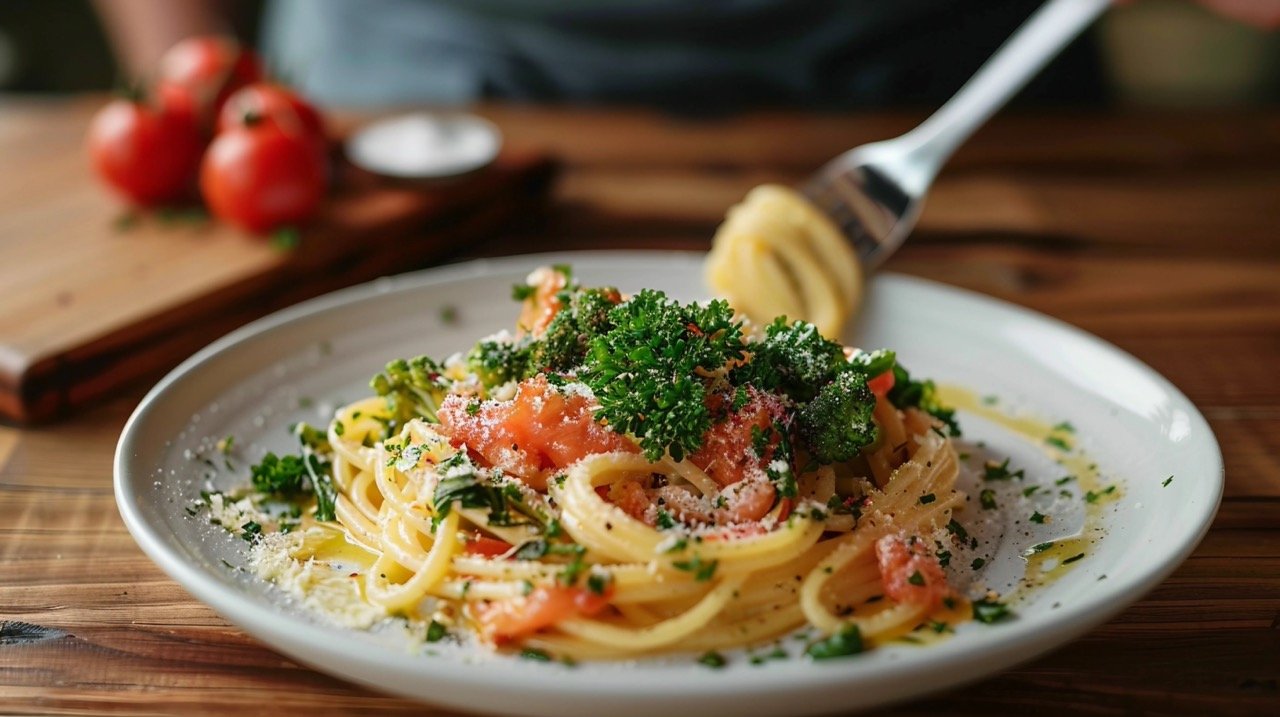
x: 52, y: 387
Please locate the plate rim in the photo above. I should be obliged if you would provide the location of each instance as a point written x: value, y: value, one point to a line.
x: 982, y: 655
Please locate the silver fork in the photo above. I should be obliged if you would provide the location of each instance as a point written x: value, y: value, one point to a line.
x: 875, y: 192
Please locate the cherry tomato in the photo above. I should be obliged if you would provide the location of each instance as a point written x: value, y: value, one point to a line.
x: 276, y: 105
x: 260, y: 178
x: 486, y: 547
x: 211, y: 68
x: 506, y: 620
x: 150, y: 153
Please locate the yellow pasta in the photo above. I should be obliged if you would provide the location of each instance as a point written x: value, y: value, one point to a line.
x: 778, y: 255
x: 530, y: 534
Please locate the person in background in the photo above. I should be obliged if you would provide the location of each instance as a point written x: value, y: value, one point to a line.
x: 692, y: 56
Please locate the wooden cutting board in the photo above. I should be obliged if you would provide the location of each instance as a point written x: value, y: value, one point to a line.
x: 89, y: 302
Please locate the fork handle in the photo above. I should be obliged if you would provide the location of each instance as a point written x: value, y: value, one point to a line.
x: 1051, y: 28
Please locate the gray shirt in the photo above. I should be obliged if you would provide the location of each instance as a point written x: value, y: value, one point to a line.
x: 689, y: 55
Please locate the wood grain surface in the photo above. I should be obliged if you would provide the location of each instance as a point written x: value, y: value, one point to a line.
x: 1158, y: 233
x: 96, y: 295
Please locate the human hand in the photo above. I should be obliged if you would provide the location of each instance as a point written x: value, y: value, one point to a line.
x: 1260, y: 13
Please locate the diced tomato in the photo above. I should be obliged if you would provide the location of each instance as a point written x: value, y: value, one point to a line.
x: 506, y: 620
x: 486, y: 547
x: 881, y: 385
x: 728, y: 452
x: 539, y: 431
x: 910, y: 572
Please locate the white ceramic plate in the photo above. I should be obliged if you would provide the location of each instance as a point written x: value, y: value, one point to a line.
x: 253, y: 383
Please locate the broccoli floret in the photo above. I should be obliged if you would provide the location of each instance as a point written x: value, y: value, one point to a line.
x: 564, y: 345
x: 836, y: 425
x: 923, y: 395
x: 792, y: 358
x: 413, y: 388
x: 650, y: 370
x: 496, y: 362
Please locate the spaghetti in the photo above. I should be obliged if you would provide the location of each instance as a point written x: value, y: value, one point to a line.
x: 778, y: 255
x: 499, y: 496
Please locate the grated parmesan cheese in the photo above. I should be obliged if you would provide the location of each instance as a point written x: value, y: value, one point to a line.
x: 315, y: 585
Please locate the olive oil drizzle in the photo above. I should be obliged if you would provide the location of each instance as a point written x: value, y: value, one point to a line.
x: 1049, y: 561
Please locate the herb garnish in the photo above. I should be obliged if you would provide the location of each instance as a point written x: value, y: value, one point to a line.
x: 846, y: 642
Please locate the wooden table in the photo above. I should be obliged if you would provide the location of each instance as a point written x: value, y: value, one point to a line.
x: 1158, y: 233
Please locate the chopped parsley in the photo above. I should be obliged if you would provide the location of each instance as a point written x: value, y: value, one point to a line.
x: 1057, y: 442
x: 702, y: 570
x: 435, y: 632
x: 533, y: 653
x: 712, y: 659
x: 1000, y: 471
x: 988, y: 499
x: 1038, y: 517
x: 1092, y: 497
x: 1165, y: 483
x: 927, y: 498
x: 846, y: 642
x: 1073, y: 558
x: 957, y: 530
x: 990, y: 611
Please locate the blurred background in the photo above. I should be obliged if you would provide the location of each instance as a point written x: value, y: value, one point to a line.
x: 1151, y: 53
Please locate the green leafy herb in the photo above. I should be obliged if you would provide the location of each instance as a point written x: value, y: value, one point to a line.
x: 712, y: 659
x: 702, y: 570
x: 1092, y: 497
x: 1165, y: 483
x: 1057, y: 442
x: 977, y: 563
x: 990, y: 611
x: 923, y: 395
x: 460, y: 482
x: 520, y: 292
x: 647, y: 371
x: 435, y: 632
x: 280, y: 475
x: 598, y: 583
x: 988, y: 499
x: 1000, y: 471
x: 1073, y: 558
x: 1038, y: 517
x: 927, y: 498
x: 533, y: 653
x: 846, y: 642
x: 916, y: 578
